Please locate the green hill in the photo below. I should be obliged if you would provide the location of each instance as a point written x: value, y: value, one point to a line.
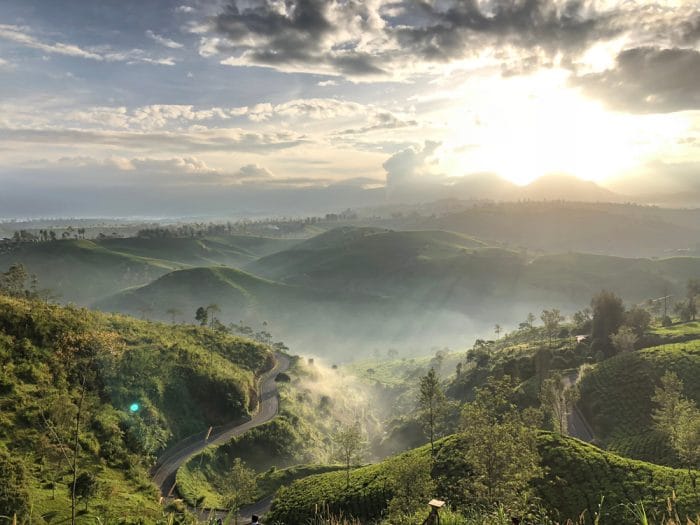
x: 613, y: 229
x: 616, y: 397
x: 142, y: 385
x: 237, y: 293
x: 231, y: 250
x: 83, y: 271
x: 577, y: 476
x: 80, y: 271
x: 447, y: 270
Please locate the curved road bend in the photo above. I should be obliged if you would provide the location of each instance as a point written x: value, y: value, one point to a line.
x: 163, y: 473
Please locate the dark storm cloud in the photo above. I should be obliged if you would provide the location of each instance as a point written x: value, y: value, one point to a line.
x: 648, y: 80
x: 453, y: 32
x: 292, y: 37
x: 314, y: 33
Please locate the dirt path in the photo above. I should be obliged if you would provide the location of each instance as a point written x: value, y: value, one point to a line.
x: 163, y: 473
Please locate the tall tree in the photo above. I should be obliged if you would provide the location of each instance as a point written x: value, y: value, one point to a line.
x: 678, y: 418
x: 551, y: 319
x: 348, y: 442
x: 500, y: 445
x: 557, y: 398
x: 240, y: 486
x: 608, y: 316
x: 409, y: 478
x: 431, y: 400
x: 201, y: 315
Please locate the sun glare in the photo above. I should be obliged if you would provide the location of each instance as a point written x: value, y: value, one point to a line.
x: 539, y: 127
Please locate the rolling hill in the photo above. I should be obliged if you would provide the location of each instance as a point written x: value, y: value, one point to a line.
x: 400, y: 286
x: 616, y: 397
x: 577, y: 476
x: 138, y: 386
x: 83, y: 271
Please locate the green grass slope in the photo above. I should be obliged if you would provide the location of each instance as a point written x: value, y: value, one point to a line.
x: 80, y: 270
x: 231, y: 250
x: 83, y: 271
x: 616, y: 397
x: 577, y: 476
x: 234, y: 291
x: 184, y: 379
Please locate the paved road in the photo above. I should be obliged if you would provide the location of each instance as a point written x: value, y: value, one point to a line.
x: 577, y: 424
x: 163, y: 473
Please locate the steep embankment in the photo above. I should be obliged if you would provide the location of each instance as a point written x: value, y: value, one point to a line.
x: 137, y: 385
x: 578, y: 475
x: 616, y: 398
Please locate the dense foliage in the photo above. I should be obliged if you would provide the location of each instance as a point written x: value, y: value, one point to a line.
x: 121, y: 389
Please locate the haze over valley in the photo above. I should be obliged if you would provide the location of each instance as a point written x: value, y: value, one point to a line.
x: 339, y: 262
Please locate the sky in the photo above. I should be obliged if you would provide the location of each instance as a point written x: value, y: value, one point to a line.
x: 123, y: 107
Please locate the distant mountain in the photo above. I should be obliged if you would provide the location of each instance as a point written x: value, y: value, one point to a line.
x: 567, y: 188
x: 489, y: 186
x: 484, y: 186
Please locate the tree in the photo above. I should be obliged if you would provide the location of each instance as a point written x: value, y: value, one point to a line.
x: 64, y: 423
x: 551, y: 319
x: 211, y: 310
x: 582, y: 321
x: 240, y: 486
x: 13, y: 281
x: 500, y: 445
x: 638, y: 320
x: 497, y: 330
x: 202, y: 315
x: 14, y: 496
x: 173, y: 313
x: 608, y: 316
x: 431, y: 400
x: 678, y: 418
x: 86, y: 486
x: 411, y: 484
x: 348, y: 443
x: 557, y: 400
x: 624, y: 340
x: 692, y: 290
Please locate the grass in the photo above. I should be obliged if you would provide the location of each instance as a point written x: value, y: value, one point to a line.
x: 184, y: 379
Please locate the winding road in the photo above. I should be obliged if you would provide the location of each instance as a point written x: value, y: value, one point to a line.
x: 577, y: 424
x: 164, y: 472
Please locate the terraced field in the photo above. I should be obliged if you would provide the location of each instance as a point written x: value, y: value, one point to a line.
x: 616, y: 398
x: 578, y: 475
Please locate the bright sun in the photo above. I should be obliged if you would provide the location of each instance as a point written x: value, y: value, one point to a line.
x: 538, y: 127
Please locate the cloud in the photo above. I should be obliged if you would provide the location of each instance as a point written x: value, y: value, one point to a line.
x: 163, y: 40
x: 184, y: 9
x: 221, y: 140
x: 367, y: 40
x: 381, y: 121
x: 648, y: 80
x: 253, y: 171
x: 410, y: 165
x: 327, y: 83
x: 400, y: 39
x: 22, y: 36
